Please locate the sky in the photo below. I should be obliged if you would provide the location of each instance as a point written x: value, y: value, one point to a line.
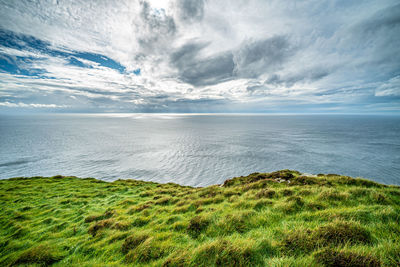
x: 265, y: 56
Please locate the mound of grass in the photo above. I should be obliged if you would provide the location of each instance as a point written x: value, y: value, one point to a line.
x: 94, y: 228
x: 264, y: 219
x: 342, y: 232
x: 223, y: 252
x: 331, y: 234
x: 231, y: 223
x: 147, y: 251
x: 121, y: 225
x: 133, y: 241
x: 42, y: 255
x: 292, y: 204
x: 106, y: 215
x: 333, y: 258
x: 297, y: 241
x: 265, y: 193
x: 333, y: 195
x: 197, y: 225
x: 141, y: 221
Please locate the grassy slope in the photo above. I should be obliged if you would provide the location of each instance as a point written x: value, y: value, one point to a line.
x: 254, y: 220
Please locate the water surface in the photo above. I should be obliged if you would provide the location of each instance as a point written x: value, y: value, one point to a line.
x: 198, y: 150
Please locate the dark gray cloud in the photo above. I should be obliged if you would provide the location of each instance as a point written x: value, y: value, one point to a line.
x: 201, y: 72
x: 308, y: 75
x: 375, y: 43
x: 387, y: 19
x: 190, y: 10
x: 187, y: 53
x: 251, y: 60
x: 257, y: 57
x: 209, y: 71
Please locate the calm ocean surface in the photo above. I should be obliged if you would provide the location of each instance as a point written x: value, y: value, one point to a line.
x: 198, y: 150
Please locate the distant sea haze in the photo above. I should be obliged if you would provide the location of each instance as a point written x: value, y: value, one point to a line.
x: 198, y: 150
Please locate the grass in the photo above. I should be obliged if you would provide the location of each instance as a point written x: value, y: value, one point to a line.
x: 265, y: 219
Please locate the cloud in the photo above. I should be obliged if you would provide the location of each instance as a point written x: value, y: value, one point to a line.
x: 255, y: 58
x: 390, y: 88
x: 154, y: 29
x: 250, y: 60
x: 307, y: 75
x: 190, y: 10
x: 383, y: 20
x: 203, y: 71
x: 186, y: 55
x: 31, y: 105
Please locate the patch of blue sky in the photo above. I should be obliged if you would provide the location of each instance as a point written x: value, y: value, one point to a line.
x: 101, y: 60
x: 20, y: 41
x: 75, y: 62
x: 12, y: 65
x: 28, y: 43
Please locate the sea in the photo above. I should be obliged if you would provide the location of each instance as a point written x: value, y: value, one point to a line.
x: 198, y: 149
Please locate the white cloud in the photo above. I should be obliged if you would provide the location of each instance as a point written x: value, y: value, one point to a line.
x: 31, y: 105
x: 390, y: 88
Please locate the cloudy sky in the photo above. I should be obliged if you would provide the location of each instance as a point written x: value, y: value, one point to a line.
x: 200, y: 56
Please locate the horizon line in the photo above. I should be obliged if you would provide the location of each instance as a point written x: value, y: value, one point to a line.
x: 200, y: 113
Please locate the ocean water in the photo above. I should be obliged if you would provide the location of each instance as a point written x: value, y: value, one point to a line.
x: 198, y: 150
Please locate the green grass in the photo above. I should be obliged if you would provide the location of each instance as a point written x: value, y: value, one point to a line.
x: 264, y: 219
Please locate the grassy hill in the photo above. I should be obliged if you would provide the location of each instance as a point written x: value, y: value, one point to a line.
x: 264, y: 219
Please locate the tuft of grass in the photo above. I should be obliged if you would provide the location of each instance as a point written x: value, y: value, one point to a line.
x: 146, y: 251
x: 99, y: 225
x: 141, y: 221
x: 380, y: 198
x: 330, y: 257
x: 331, y: 234
x: 293, y: 204
x: 262, y: 204
x: 138, y: 208
x: 333, y: 195
x: 179, y: 258
x: 197, y: 225
x: 106, y: 215
x: 265, y: 194
x: 305, y: 180
x: 222, y: 252
x: 183, y: 209
x: 342, y: 232
x: 41, y: 255
x: 133, y: 241
x: 121, y: 225
x: 359, y: 192
x: 287, y: 192
x: 298, y: 241
x: 165, y: 201
x: 233, y: 223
